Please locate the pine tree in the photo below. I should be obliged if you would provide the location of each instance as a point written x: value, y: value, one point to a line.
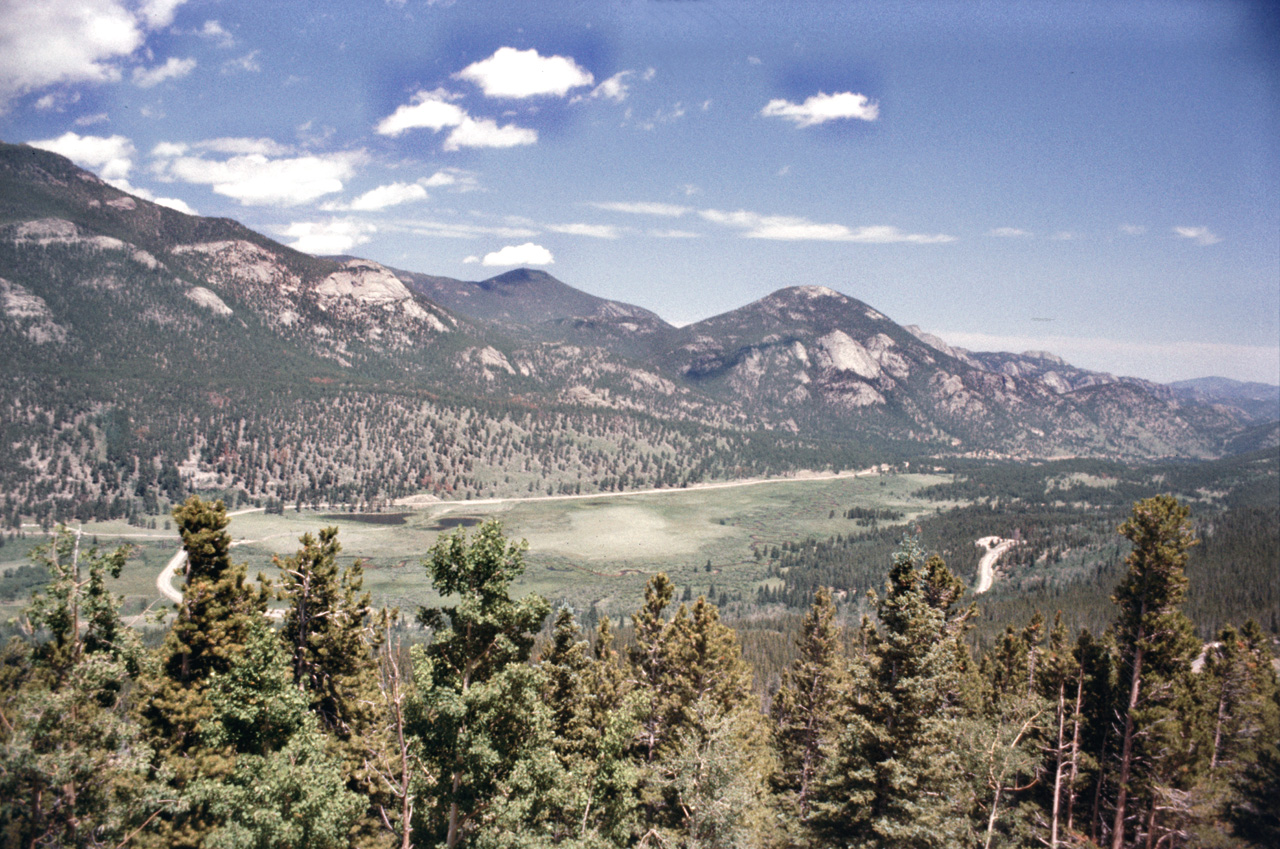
x: 594, y: 723
x: 894, y: 778
x: 331, y: 635
x: 74, y: 769
x: 485, y: 733
x: 808, y: 709
x: 214, y: 619
x: 1156, y: 644
x: 284, y: 790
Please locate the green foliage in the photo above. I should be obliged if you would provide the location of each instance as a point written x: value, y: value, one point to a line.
x: 809, y: 708
x: 285, y: 791
x: 75, y: 769
x: 894, y: 778
x: 485, y: 732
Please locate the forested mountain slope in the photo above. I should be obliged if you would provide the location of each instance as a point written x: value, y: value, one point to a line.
x: 148, y: 353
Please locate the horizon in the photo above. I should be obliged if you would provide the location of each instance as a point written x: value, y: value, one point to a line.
x: 1097, y: 182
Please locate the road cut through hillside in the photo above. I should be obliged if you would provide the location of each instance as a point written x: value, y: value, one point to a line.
x: 995, y: 547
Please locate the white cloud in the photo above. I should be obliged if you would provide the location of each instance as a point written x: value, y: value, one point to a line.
x: 512, y: 73
x: 1009, y: 232
x: 90, y: 120
x: 669, y: 210
x: 674, y: 234
x: 392, y: 194
x: 170, y: 70
x: 169, y: 149
x: 615, y: 88
x: 215, y: 32
x: 336, y: 236
x: 256, y: 180
x: 596, y: 231
x: 793, y: 229
x: 482, y: 132
x: 1132, y: 229
x: 110, y: 156
x: 526, y: 254
x: 456, y: 178
x: 243, y: 145
x: 435, y: 111
x: 159, y: 13
x: 246, y: 64
x: 176, y: 203
x: 822, y: 107
x: 457, y: 230
x: 430, y: 109
x: 64, y: 41
x: 1200, y: 235
x: 1064, y: 236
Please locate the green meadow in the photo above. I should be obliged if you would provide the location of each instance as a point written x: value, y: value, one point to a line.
x: 582, y: 551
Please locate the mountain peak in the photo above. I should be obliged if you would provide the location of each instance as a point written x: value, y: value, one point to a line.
x: 518, y: 277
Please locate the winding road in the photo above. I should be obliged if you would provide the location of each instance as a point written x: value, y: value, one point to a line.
x: 995, y: 547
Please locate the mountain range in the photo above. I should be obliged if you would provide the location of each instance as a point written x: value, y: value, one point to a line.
x: 148, y: 352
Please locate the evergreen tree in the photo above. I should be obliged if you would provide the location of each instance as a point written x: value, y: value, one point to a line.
x: 808, y: 709
x: 285, y: 791
x: 894, y: 778
x: 212, y: 626
x: 594, y: 723
x: 1156, y: 645
x: 331, y: 636
x: 485, y: 733
x: 74, y: 769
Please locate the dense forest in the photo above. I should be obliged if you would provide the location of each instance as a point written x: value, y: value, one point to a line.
x: 496, y: 721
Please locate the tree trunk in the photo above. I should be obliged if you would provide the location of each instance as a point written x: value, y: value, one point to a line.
x: 1075, y: 750
x: 1057, y: 771
x: 1126, y: 749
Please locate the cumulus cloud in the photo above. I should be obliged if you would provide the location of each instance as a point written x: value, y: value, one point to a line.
x: 65, y: 41
x: 336, y: 236
x: 170, y: 70
x: 511, y: 73
x: 454, y: 178
x: 669, y: 210
x: 255, y: 179
x: 794, y: 229
x: 244, y: 145
x: 430, y: 109
x: 482, y: 132
x: 1199, y: 235
x: 214, y: 31
x: 596, y: 231
x: 392, y: 194
x: 821, y: 108
x: 1008, y: 232
x: 435, y: 110
x: 615, y: 88
x: 111, y: 157
x: 526, y: 254
x: 159, y: 13
x: 176, y: 203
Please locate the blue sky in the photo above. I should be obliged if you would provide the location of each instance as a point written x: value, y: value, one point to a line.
x: 1101, y: 180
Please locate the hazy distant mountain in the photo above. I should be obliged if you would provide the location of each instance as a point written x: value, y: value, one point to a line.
x: 1258, y: 401
x: 143, y: 344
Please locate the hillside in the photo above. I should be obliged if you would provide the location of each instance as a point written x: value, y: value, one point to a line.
x: 149, y: 352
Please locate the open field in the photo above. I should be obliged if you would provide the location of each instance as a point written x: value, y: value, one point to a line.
x: 584, y: 551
